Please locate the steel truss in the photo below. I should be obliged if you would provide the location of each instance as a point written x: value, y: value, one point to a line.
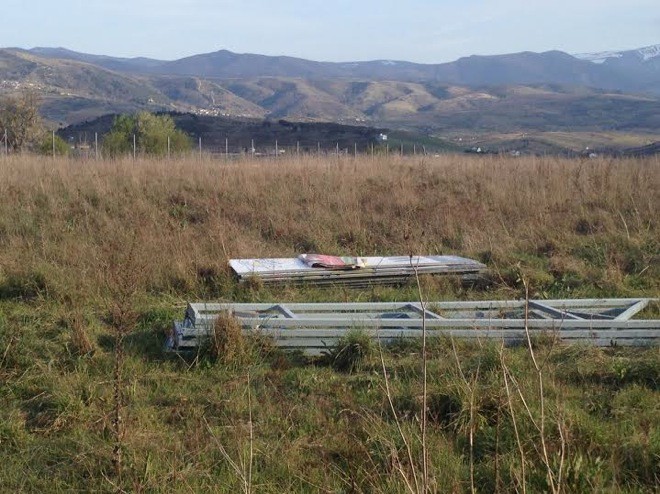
x: 313, y: 327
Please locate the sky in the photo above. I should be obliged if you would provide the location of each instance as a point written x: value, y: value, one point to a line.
x: 425, y: 31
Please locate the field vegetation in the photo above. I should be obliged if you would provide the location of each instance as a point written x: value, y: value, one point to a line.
x: 98, y: 257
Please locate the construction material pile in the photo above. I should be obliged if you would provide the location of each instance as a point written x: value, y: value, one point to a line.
x: 358, y: 272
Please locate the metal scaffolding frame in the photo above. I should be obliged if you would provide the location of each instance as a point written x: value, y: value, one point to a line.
x: 313, y: 327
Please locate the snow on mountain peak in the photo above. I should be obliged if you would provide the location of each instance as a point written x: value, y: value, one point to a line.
x: 599, y: 57
x: 649, y: 52
x: 644, y: 54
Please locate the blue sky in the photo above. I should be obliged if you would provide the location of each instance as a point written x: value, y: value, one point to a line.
x: 424, y: 31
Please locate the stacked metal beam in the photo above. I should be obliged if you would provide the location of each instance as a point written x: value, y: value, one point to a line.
x: 313, y: 327
x: 364, y: 272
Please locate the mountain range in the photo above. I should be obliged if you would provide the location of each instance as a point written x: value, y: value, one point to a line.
x: 628, y: 71
x: 543, y: 91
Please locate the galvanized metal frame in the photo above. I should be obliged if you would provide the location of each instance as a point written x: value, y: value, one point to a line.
x: 315, y: 326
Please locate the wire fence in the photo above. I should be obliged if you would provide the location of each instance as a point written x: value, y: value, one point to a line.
x: 86, y: 146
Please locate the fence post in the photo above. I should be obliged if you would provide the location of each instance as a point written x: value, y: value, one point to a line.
x: 200, y: 148
x: 134, y: 148
x: 53, y: 142
x: 168, y: 147
x: 96, y: 146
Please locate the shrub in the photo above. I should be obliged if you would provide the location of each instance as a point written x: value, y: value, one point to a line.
x: 151, y: 134
x: 53, y: 144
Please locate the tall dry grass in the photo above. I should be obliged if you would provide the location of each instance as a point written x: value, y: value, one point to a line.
x: 581, y: 221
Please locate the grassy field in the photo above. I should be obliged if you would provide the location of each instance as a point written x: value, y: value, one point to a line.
x: 558, y: 142
x: 97, y: 259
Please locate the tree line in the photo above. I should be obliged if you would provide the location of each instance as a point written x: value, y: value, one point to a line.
x: 22, y: 129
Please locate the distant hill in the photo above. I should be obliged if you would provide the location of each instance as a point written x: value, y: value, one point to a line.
x: 540, y: 91
x: 72, y: 90
x: 138, y: 64
x: 443, y: 107
x: 240, y: 134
